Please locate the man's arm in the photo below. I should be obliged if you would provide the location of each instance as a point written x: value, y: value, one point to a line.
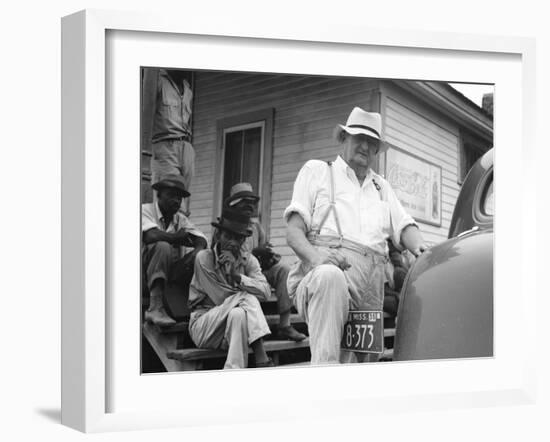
x: 155, y: 235
x: 412, y: 240
x: 309, y: 255
x: 254, y: 281
x: 296, y: 239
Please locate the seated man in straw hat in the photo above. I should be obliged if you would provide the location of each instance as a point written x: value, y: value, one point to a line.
x: 338, y: 220
x: 225, y: 292
x: 167, y: 236
x: 243, y: 198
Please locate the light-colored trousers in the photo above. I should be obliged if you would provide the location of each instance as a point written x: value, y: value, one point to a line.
x: 173, y: 157
x: 324, y: 295
x: 233, y: 325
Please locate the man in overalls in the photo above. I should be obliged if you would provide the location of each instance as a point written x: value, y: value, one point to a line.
x: 338, y: 221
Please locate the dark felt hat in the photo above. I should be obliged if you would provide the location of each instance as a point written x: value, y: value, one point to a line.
x: 172, y: 182
x: 234, y: 221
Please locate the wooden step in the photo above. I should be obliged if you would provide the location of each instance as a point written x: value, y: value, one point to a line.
x: 181, y: 327
x: 192, y: 354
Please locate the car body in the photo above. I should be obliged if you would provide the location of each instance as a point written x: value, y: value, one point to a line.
x: 446, y: 305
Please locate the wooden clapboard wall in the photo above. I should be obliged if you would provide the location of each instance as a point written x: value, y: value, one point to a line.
x: 306, y: 110
x: 423, y: 131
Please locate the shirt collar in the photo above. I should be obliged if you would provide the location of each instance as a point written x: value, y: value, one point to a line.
x: 344, y: 167
x: 160, y: 216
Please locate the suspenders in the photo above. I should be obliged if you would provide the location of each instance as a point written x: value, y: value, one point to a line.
x: 332, y: 204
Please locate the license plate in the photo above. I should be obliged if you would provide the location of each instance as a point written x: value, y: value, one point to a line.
x: 364, y: 332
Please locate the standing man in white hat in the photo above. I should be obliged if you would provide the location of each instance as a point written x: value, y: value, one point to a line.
x: 338, y: 221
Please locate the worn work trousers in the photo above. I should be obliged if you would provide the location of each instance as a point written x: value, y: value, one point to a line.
x: 161, y: 261
x: 173, y: 157
x: 233, y: 325
x: 158, y: 258
x: 277, y: 276
x: 324, y: 296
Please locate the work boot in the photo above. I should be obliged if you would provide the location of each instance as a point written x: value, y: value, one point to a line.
x: 159, y: 317
x: 291, y: 333
x: 266, y: 364
x: 156, y: 313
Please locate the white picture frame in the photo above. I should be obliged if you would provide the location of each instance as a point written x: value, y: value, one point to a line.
x: 86, y: 215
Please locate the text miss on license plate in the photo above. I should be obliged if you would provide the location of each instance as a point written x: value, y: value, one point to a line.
x: 364, y: 332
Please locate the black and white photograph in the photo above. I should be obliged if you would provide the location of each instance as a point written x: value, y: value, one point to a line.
x: 291, y: 220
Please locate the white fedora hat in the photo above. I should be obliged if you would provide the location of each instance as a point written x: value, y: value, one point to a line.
x: 366, y: 123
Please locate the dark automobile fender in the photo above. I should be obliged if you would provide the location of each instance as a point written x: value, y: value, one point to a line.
x: 446, y: 310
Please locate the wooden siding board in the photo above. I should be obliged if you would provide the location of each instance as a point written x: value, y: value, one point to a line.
x: 306, y: 111
x: 414, y: 132
x: 414, y: 119
x: 419, y: 147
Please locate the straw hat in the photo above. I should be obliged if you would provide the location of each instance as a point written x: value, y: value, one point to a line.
x: 366, y: 123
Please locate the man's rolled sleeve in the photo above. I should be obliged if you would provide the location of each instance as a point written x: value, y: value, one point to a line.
x: 303, y: 195
x: 189, y: 227
x: 148, y: 221
x: 296, y: 207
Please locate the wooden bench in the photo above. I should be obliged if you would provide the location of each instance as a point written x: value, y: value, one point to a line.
x: 272, y: 347
x: 174, y: 358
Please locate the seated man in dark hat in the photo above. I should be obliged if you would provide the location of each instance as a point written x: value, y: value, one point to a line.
x: 167, y: 236
x: 224, y: 295
x: 243, y: 198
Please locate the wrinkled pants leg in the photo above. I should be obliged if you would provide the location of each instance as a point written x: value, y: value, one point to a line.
x: 277, y: 277
x: 237, y: 322
x: 236, y: 335
x: 157, y: 261
x: 322, y: 299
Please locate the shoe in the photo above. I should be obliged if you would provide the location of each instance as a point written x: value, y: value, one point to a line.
x: 159, y: 317
x: 291, y: 333
x: 268, y: 363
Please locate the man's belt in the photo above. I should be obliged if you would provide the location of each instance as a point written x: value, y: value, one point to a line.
x: 186, y: 137
x: 335, y: 242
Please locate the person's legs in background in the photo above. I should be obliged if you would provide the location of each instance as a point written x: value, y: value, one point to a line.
x: 277, y: 277
x: 157, y: 260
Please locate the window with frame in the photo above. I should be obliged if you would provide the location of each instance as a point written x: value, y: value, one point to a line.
x: 245, y: 155
x: 471, y: 148
x: 243, y: 147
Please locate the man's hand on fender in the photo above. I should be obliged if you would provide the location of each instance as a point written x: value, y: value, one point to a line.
x: 412, y: 240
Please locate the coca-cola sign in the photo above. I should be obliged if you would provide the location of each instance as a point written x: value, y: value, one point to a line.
x: 417, y: 184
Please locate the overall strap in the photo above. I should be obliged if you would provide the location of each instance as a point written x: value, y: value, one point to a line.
x: 332, y: 205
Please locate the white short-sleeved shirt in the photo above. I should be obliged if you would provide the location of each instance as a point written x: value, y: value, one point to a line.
x: 367, y: 215
x: 152, y: 218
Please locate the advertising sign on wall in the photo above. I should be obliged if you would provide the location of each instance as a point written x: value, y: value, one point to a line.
x: 417, y: 184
